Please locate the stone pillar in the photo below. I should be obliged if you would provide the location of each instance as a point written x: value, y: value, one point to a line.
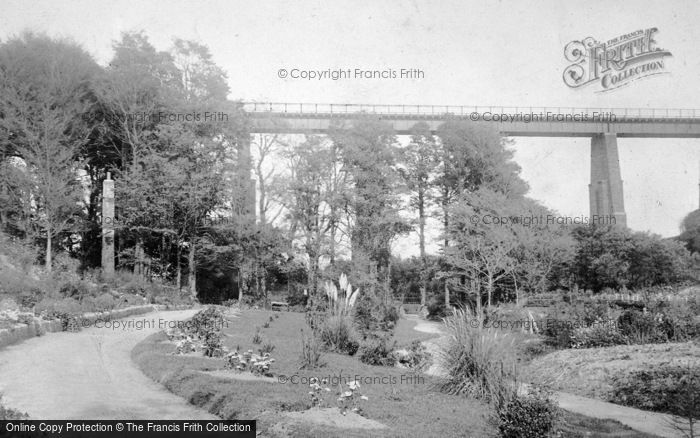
x: 108, y: 227
x: 605, y: 191
x: 246, y: 184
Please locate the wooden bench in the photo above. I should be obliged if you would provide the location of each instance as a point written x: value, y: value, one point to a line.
x: 279, y: 305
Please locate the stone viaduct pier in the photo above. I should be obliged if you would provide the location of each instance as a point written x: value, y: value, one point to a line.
x: 602, y: 125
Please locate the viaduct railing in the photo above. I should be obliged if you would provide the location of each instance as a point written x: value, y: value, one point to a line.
x: 322, y: 110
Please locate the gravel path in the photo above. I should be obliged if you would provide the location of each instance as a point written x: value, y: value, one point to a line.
x: 89, y: 375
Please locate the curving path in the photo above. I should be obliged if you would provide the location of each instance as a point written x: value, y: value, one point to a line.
x: 644, y: 421
x: 89, y: 375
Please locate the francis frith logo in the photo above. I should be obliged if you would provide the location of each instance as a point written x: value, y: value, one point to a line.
x: 616, y: 62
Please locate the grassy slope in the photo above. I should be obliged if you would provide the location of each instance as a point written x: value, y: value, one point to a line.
x: 410, y: 410
x: 588, y: 372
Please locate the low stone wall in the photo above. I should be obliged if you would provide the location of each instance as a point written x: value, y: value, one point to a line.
x: 20, y: 332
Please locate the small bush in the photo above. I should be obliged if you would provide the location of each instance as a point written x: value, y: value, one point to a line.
x: 212, y: 345
x: 266, y: 348
x: 638, y: 327
x: 128, y: 300
x: 266, y: 325
x: 565, y: 319
x: 310, y: 350
x: 363, y: 318
x: 75, y: 288
x: 377, y: 352
x: 66, y: 310
x: 391, y: 314
x: 677, y: 320
x: 257, y: 364
x: 479, y: 362
x: 436, y: 310
x: 527, y: 416
x: 21, y: 253
x: 661, y: 390
x: 11, y: 414
x: 105, y: 302
x: 533, y: 348
x: 338, y: 335
x: 204, y: 321
x: 417, y: 357
x: 599, y: 334
x: 257, y: 337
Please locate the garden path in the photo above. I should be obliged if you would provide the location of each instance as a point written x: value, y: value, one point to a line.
x: 90, y: 375
x: 648, y: 422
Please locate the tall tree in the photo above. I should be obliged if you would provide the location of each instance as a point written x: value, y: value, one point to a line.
x: 474, y: 155
x: 311, y: 166
x: 418, y: 160
x: 267, y: 146
x: 484, y: 247
x: 690, y: 231
x: 368, y: 151
x: 44, y: 94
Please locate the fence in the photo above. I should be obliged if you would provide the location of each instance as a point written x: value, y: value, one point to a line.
x: 547, y: 300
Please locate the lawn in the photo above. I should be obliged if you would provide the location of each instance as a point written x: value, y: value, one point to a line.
x: 407, y: 404
x: 404, y: 333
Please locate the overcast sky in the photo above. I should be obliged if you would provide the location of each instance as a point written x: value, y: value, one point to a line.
x: 471, y: 52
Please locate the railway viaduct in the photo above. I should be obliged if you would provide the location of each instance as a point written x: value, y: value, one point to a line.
x: 602, y: 125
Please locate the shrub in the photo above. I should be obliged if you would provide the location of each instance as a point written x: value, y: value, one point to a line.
x: 677, y: 320
x: 266, y: 348
x: 185, y: 346
x: 62, y: 263
x: 338, y: 335
x: 22, y: 254
x: 416, y: 358
x: 296, y: 297
x: 660, y: 390
x: 527, y: 416
x: 212, y: 345
x: 436, y: 310
x: 204, y: 320
x: 26, y: 289
x: 377, y: 352
x: 317, y: 391
x: 206, y: 326
x: 638, y: 327
x: 11, y: 414
x: 257, y: 337
x: 65, y: 310
x: 341, y: 300
x: 105, y: 302
x: 671, y: 389
x: 74, y: 289
x: 565, y: 321
x: 479, y: 362
x: 310, y: 350
x: 350, y: 399
x: 315, y: 319
x: 532, y: 348
x: 598, y: 334
x: 364, y: 320
x: 390, y: 315
x: 128, y: 300
x: 257, y: 364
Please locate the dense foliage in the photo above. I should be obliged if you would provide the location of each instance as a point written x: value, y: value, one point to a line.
x: 672, y: 389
